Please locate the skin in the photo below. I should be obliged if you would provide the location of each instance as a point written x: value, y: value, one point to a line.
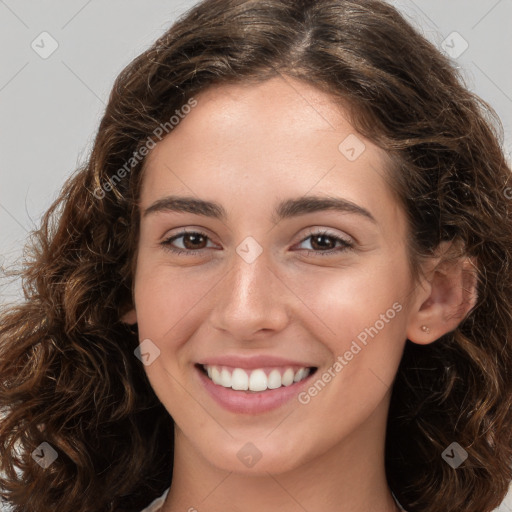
x: 248, y: 147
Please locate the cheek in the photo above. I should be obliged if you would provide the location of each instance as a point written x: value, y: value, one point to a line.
x: 165, y: 296
x: 345, y: 301
x: 359, y: 315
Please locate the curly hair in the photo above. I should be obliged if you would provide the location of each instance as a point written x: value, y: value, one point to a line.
x: 68, y: 374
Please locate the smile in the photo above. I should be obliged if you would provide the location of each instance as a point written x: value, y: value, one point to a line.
x: 254, y: 390
x: 257, y: 379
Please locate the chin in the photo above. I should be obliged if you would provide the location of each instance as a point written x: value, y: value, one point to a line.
x: 257, y: 457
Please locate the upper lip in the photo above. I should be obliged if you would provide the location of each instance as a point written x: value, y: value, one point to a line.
x: 251, y: 362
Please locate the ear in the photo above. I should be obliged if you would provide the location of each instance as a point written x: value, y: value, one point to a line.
x: 448, y: 293
x: 130, y: 317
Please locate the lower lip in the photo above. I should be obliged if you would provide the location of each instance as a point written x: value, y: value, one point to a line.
x: 247, y: 402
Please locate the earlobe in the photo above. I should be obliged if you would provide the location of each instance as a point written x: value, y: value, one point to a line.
x: 453, y: 293
x: 130, y: 317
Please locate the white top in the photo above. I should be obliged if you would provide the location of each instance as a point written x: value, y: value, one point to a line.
x: 156, y: 504
x: 397, y: 502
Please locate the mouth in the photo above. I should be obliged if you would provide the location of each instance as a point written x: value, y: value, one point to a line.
x: 253, y: 385
x: 255, y: 380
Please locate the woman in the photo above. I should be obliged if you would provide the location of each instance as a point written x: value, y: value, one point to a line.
x: 282, y: 281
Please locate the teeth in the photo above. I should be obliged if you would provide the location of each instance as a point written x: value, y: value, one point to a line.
x: 225, y: 378
x: 239, y: 380
x: 274, y: 379
x: 215, y: 374
x: 299, y: 375
x: 256, y: 380
x: 287, y: 377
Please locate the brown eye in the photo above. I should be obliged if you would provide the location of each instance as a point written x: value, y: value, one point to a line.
x: 191, y: 242
x: 325, y: 243
x: 322, y: 242
x: 194, y: 241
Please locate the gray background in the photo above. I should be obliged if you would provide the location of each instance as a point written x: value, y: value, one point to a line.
x: 50, y: 108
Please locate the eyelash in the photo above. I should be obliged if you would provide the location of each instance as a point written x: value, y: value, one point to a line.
x: 346, y: 244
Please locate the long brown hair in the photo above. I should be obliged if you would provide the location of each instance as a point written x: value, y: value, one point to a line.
x: 68, y: 374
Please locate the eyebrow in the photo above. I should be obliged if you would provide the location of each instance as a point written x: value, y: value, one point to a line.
x: 286, y: 209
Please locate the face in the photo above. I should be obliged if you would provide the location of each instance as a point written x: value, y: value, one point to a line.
x: 278, y: 264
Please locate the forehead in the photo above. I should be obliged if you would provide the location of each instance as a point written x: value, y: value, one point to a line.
x: 252, y: 140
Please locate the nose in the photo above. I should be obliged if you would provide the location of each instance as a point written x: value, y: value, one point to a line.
x: 251, y: 300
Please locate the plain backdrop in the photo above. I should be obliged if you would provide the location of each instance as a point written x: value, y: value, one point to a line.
x: 50, y: 105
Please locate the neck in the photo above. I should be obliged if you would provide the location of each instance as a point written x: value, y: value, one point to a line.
x: 347, y: 477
